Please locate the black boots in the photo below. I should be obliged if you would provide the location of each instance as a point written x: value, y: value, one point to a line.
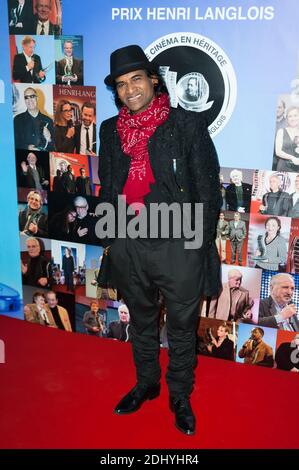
x: 136, y: 397
x: 184, y: 417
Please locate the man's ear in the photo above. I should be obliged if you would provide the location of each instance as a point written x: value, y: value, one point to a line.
x: 154, y: 80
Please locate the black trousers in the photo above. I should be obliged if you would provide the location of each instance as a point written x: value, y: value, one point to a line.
x: 140, y: 268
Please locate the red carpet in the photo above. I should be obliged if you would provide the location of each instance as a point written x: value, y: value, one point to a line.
x: 58, y: 390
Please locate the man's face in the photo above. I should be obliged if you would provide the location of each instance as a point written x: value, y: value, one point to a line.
x: 87, y: 116
x: 282, y: 290
x: 81, y: 210
x: 63, y: 166
x: 29, y: 48
x: 83, y: 173
x: 31, y: 159
x: 135, y: 90
x: 30, y: 98
x: 274, y: 183
x: 256, y: 334
x: 236, y: 178
x: 237, y: 217
x: 297, y: 183
x: 52, y: 300
x: 43, y: 8
x: 221, y: 216
x: 34, y: 202
x: 94, y: 308
x: 70, y: 168
x: 124, y: 316
x: 68, y: 49
x: 33, y: 248
x: 192, y: 87
x: 234, y: 282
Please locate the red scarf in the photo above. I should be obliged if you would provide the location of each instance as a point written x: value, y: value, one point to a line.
x: 134, y: 131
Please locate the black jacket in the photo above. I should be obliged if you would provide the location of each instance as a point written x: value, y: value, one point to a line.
x: 184, y: 138
x: 20, y: 72
x: 231, y: 197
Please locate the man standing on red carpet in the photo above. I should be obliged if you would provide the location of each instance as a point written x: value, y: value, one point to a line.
x: 152, y: 155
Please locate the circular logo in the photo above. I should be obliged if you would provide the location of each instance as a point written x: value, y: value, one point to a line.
x: 198, y: 74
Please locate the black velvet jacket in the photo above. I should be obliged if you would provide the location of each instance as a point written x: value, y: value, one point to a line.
x: 184, y: 138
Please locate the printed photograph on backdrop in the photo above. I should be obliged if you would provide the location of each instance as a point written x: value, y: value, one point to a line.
x: 33, y: 117
x: 279, y: 304
x: 23, y: 196
x: 287, y: 351
x: 293, y: 252
x: 42, y: 17
x: 32, y: 59
x: 236, y: 186
x: 68, y: 267
x: 93, y: 263
x: 240, y: 296
x: 119, y: 328
x: 72, y: 174
x: 286, y: 144
x: 33, y: 214
x: 216, y: 338
x: 232, y: 237
x: 256, y: 345
x: 48, y: 308
x: 98, y: 318
x: 36, y: 265
x: 93, y: 316
x: 73, y: 218
x: 69, y: 60
x: 268, y: 242
x: 275, y: 193
x: 75, y: 119
x: 32, y: 170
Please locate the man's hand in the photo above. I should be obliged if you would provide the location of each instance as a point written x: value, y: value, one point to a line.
x: 24, y: 268
x: 82, y: 231
x: 41, y: 74
x: 288, y: 311
x: 91, y: 153
x: 33, y: 228
x: 24, y: 167
x: 47, y: 133
x: 30, y: 65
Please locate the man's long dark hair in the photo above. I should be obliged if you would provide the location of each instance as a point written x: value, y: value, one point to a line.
x: 160, y: 87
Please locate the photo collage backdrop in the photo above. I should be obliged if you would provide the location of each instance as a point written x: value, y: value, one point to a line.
x: 56, y: 143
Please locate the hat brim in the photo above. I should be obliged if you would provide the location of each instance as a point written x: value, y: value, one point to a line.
x: 110, y: 79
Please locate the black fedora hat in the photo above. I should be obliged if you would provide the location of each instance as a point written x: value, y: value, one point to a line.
x: 127, y: 59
